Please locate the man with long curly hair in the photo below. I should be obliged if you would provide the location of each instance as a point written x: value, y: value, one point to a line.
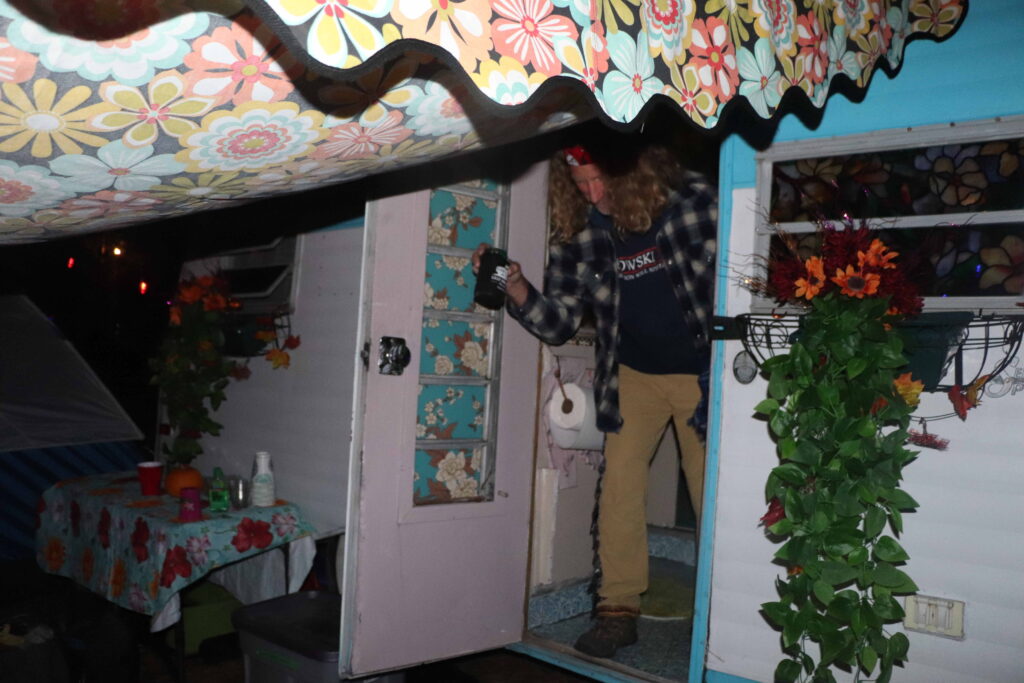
x: 633, y: 241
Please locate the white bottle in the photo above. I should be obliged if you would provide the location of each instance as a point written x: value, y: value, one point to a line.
x: 263, y: 495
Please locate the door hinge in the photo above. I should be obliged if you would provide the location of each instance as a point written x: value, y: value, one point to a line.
x: 364, y: 354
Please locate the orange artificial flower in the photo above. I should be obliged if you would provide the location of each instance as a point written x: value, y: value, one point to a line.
x: 205, y: 345
x: 266, y: 335
x: 810, y: 286
x: 278, y: 358
x: 176, y: 315
x: 910, y: 389
x: 214, y: 302
x: 54, y: 554
x: 877, y: 256
x: 795, y: 570
x: 117, y: 578
x: 88, y: 564
x: 856, y: 283
x: 206, y: 281
x: 189, y: 294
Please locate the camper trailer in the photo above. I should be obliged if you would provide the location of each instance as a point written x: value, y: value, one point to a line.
x: 436, y: 561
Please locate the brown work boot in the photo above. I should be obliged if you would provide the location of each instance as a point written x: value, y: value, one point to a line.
x: 615, y: 627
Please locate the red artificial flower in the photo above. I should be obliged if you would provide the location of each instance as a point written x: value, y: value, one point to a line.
x: 292, y: 342
x: 776, y: 512
x: 140, y: 538
x: 175, y: 564
x: 250, y: 533
x: 783, y: 276
x: 190, y: 293
x: 965, y: 398
x: 878, y: 405
x: 240, y: 371
x: 215, y: 301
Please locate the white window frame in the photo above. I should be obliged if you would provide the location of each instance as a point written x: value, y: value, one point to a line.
x: 953, y: 133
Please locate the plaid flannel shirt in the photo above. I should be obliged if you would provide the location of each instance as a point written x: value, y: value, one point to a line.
x: 582, y: 273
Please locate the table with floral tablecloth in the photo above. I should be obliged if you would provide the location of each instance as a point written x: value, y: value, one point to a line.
x: 132, y: 549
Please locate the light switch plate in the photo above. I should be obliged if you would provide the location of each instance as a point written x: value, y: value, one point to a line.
x: 934, y: 615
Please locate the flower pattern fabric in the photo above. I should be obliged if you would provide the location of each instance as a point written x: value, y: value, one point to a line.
x: 227, y: 106
x: 140, y: 556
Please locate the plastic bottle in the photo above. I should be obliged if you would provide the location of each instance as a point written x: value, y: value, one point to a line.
x: 218, y: 493
x: 263, y: 495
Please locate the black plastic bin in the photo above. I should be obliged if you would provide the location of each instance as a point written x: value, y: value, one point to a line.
x: 291, y: 639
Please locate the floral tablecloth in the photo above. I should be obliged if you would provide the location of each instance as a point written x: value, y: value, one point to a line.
x: 131, y: 549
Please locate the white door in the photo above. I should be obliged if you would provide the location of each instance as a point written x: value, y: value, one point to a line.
x: 436, y: 549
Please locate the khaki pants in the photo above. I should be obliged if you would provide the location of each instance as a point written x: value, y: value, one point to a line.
x: 646, y: 402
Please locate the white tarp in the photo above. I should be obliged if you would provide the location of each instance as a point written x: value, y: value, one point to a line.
x: 49, y: 396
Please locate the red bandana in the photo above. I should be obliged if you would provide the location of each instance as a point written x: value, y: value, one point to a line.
x: 577, y: 156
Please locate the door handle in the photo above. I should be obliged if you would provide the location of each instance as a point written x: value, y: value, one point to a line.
x: 393, y: 355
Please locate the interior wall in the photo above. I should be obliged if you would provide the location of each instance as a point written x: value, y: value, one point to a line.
x: 564, y: 504
x: 964, y: 542
x: 302, y: 415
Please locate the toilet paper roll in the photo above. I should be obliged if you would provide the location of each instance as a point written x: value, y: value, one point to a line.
x: 576, y: 429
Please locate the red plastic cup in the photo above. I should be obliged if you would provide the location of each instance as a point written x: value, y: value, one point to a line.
x: 150, y: 474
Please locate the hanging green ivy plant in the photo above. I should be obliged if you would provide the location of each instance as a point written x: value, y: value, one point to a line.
x: 839, y: 406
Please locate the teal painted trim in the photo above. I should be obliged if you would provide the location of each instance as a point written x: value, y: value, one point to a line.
x: 938, y: 83
x: 357, y: 222
x: 582, y: 667
x: 719, y: 677
x: 742, y: 171
x: 706, y: 540
x: 935, y: 85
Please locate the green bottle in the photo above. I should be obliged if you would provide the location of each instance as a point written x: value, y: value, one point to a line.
x: 218, y: 494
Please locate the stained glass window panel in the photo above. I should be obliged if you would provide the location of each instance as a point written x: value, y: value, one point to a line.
x: 918, y: 181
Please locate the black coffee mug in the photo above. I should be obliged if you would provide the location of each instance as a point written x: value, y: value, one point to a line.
x: 491, y: 279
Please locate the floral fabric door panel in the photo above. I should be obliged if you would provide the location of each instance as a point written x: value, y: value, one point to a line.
x: 458, y: 382
x: 441, y: 466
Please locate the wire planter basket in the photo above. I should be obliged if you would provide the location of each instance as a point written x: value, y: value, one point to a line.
x: 945, y: 349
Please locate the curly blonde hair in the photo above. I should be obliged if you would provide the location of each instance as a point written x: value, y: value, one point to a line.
x: 637, y: 183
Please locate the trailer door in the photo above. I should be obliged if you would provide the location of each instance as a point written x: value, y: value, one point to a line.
x: 436, y: 549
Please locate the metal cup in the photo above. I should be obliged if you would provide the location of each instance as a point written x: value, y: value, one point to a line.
x: 238, y: 492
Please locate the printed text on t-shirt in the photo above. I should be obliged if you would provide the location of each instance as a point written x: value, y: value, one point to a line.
x: 639, y: 264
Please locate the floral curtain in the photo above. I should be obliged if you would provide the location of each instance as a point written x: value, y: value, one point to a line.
x: 702, y: 54
x: 117, y: 112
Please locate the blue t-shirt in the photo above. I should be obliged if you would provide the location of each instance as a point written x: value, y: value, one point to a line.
x: 653, y: 334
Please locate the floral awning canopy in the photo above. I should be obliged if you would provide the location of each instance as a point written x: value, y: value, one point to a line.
x: 117, y: 112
